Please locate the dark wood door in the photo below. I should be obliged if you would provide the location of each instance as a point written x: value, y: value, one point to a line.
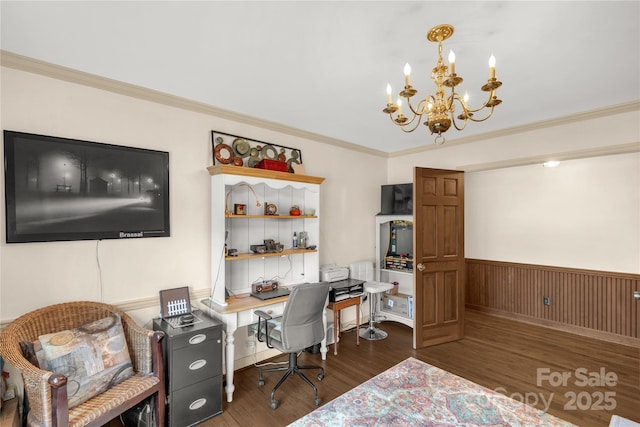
x: 438, y: 211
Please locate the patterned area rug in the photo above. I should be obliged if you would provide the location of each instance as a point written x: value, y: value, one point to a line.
x: 414, y: 393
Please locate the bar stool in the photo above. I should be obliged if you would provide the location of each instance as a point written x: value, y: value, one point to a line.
x: 374, y: 289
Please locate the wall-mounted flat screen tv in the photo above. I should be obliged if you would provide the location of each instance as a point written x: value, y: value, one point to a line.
x: 396, y: 199
x: 59, y: 189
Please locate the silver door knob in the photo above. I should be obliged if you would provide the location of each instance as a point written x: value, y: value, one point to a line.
x: 420, y: 267
x: 636, y: 295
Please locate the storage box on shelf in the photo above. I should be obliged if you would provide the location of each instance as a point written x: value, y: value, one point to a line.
x: 398, y: 304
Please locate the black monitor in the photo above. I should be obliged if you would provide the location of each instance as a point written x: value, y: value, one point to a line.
x: 396, y: 199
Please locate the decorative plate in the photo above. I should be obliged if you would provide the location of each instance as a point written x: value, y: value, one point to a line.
x: 223, y: 150
x: 269, y: 152
x: 241, y: 147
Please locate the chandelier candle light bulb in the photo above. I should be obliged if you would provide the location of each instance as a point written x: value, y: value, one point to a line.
x: 439, y: 108
x: 452, y: 62
x: 407, y: 74
x: 492, y: 67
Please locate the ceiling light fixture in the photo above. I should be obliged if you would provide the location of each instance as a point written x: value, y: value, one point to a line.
x: 551, y: 164
x: 440, y: 109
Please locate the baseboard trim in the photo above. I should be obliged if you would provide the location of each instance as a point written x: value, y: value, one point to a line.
x: 577, y: 330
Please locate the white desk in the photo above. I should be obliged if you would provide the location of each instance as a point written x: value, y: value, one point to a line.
x: 239, y: 312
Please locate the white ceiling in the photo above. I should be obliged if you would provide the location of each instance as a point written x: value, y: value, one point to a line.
x: 322, y: 66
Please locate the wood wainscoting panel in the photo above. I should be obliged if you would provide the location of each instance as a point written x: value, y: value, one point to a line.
x: 586, y: 301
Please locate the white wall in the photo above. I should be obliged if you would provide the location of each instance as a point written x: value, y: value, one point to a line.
x: 583, y: 214
x: 510, y: 212
x: 38, y: 274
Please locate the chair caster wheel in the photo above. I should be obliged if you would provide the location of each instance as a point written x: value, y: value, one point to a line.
x: 274, y: 404
x: 317, y: 401
x: 320, y: 376
x: 260, y: 383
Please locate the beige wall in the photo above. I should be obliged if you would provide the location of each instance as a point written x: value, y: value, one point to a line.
x: 583, y: 214
x: 37, y: 274
x: 502, y: 171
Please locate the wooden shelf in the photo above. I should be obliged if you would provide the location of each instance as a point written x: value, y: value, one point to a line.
x: 270, y: 254
x: 271, y: 216
x: 228, y: 230
x: 263, y: 173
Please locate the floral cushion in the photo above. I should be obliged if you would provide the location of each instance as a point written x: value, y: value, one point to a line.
x: 93, y: 357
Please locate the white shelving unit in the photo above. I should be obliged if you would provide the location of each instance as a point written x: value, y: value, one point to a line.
x: 403, y: 276
x: 232, y: 185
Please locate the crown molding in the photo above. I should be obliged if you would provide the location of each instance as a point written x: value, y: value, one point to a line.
x: 31, y: 65
x: 47, y: 69
x: 543, y: 124
x: 633, y: 147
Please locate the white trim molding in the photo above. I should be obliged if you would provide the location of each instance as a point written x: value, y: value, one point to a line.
x: 30, y: 65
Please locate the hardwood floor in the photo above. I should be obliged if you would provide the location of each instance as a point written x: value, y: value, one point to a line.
x: 497, y: 353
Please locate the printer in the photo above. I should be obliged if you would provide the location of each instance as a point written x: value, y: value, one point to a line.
x: 333, y: 273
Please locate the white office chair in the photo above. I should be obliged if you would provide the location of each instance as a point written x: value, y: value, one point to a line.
x: 364, y: 271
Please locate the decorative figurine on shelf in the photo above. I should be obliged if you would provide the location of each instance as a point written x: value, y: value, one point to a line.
x: 239, y: 209
x: 295, y: 211
x: 270, y: 209
x: 302, y: 244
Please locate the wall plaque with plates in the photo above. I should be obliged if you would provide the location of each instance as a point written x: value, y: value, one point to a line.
x: 244, y: 152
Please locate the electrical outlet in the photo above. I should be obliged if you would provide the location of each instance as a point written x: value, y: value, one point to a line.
x: 251, y: 344
x: 546, y: 300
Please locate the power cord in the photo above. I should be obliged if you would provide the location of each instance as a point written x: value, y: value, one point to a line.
x: 99, y: 267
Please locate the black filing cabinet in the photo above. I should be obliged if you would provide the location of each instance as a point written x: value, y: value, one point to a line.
x: 193, y: 358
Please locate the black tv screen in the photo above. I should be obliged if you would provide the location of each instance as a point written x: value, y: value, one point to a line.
x: 59, y: 189
x: 396, y: 199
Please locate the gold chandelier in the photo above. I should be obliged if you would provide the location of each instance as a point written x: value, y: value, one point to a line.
x: 440, y: 109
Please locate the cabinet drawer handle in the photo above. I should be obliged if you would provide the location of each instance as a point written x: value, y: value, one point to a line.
x: 197, y: 404
x: 197, y: 364
x: 197, y: 339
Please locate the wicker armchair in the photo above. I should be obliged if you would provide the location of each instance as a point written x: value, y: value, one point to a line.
x: 47, y: 391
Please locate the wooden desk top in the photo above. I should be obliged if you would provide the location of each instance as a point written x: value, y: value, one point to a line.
x: 242, y: 302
